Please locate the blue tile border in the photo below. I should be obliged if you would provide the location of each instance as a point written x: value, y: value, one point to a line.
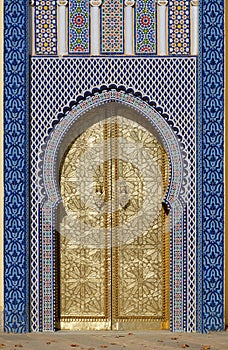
x: 210, y: 136
x: 16, y: 167
x: 210, y: 258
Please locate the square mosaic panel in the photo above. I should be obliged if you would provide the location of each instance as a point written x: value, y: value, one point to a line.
x: 112, y: 26
x: 179, y: 27
x: 79, y: 27
x: 145, y: 27
x: 46, y: 27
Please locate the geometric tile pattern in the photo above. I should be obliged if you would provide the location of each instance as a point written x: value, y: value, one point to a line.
x: 50, y: 188
x: 16, y: 169
x: 210, y: 132
x: 79, y: 12
x: 46, y: 27
x: 210, y: 292
x: 145, y: 27
x: 179, y: 27
x: 171, y: 85
x: 112, y: 26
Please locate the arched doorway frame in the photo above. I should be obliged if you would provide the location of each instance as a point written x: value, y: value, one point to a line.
x: 51, y: 198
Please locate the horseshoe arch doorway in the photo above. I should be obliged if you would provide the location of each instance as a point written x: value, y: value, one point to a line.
x: 112, y: 224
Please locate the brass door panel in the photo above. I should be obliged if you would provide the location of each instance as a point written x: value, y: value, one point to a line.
x: 114, y: 234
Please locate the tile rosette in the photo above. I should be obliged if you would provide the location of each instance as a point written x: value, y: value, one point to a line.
x: 79, y: 14
x: 145, y: 27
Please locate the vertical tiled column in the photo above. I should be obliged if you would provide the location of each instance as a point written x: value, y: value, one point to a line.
x: 210, y: 172
x: 48, y: 321
x: 62, y: 26
x: 129, y: 30
x: 95, y: 27
x: 31, y: 27
x: 162, y: 27
x: 16, y: 167
x: 177, y: 278
x: 194, y: 26
x: 1, y: 169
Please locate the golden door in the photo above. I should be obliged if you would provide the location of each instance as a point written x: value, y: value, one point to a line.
x: 114, y: 233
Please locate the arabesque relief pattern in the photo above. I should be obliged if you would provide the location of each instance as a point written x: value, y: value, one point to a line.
x: 113, y: 181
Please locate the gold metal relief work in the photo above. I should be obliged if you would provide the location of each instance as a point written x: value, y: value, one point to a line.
x: 114, y: 234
